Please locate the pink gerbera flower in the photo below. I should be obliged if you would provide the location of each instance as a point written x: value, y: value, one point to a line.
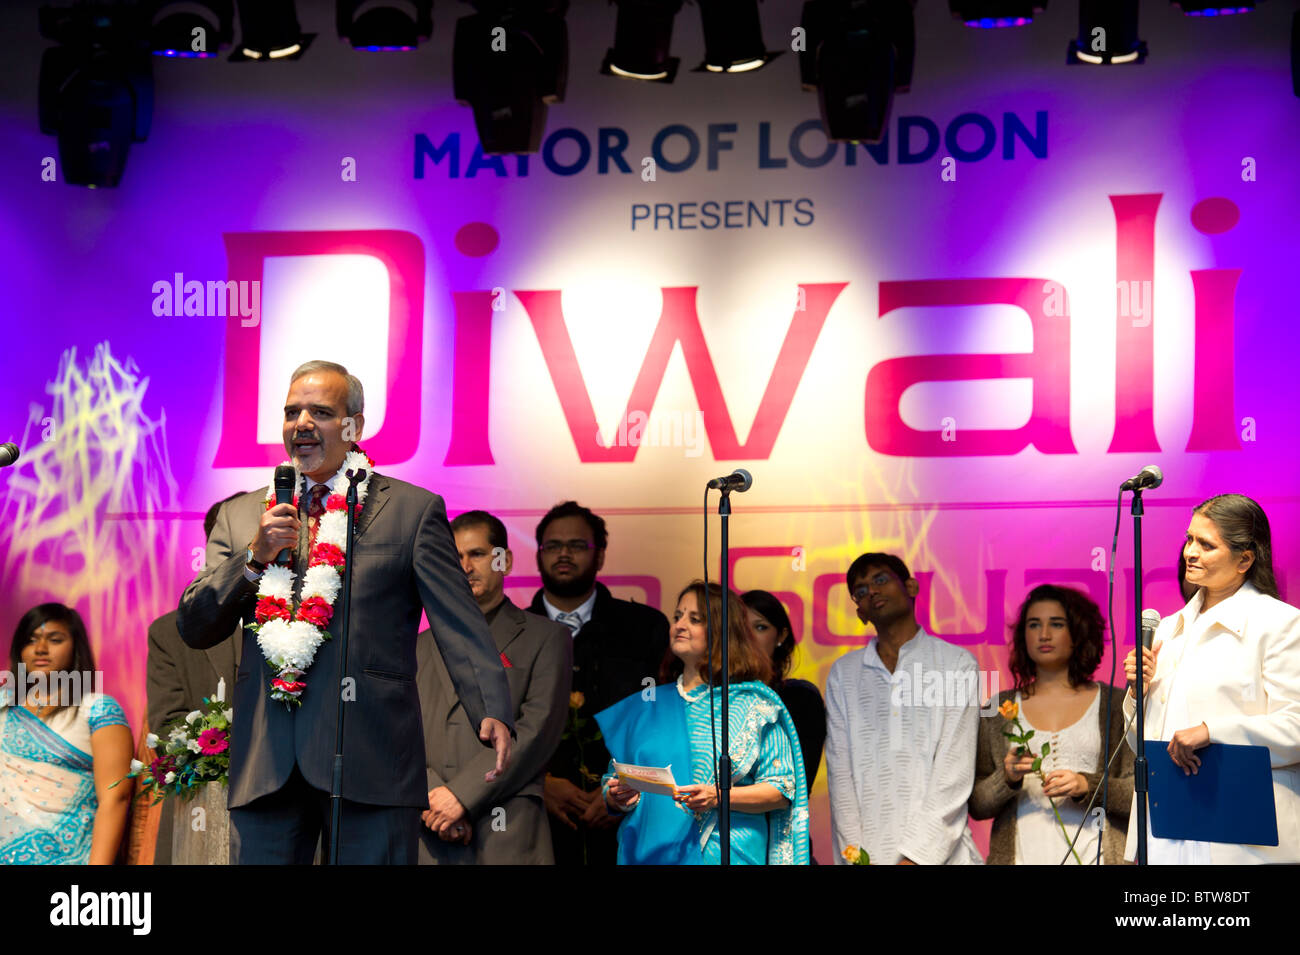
x: 213, y: 741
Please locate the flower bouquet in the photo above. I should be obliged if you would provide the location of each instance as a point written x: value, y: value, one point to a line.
x: 194, y: 751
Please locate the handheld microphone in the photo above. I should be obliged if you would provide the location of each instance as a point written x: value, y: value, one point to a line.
x: 1150, y: 620
x: 285, y: 479
x: 8, y: 454
x: 737, y: 480
x: 1149, y: 477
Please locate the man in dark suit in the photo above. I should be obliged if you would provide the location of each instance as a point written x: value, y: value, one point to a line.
x: 617, y: 646
x: 403, y: 561
x: 178, y: 678
x: 470, y: 821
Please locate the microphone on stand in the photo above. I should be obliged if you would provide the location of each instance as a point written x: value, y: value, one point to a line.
x: 1148, y: 478
x: 8, y: 454
x: 285, y: 478
x: 737, y: 480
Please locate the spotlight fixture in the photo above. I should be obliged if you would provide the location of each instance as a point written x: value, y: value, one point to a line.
x: 269, y: 30
x: 381, y: 27
x: 1191, y: 8
x: 991, y: 14
x: 733, y: 37
x: 1108, y: 34
x: 190, y: 30
x: 95, y: 89
x: 509, y: 62
x: 857, y: 55
x: 1295, y: 53
x: 643, y: 33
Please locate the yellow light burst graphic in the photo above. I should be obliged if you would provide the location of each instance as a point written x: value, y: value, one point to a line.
x: 89, y: 513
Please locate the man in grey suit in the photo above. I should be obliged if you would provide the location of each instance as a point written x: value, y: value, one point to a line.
x: 403, y: 561
x: 470, y: 821
x: 178, y: 678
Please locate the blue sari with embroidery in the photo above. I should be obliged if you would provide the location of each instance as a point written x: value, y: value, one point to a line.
x: 47, y: 782
x: 674, y: 729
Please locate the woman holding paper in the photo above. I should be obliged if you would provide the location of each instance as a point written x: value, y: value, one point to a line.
x: 676, y: 725
x: 1226, y: 670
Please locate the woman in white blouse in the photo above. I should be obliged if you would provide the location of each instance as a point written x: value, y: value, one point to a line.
x: 1226, y: 670
x: 1056, y: 646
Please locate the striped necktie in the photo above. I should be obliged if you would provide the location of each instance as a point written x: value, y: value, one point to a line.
x: 570, y: 620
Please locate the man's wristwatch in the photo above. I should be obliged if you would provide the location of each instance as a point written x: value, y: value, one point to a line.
x: 254, y: 565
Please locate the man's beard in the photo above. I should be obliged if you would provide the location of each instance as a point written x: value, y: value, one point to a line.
x: 573, y: 587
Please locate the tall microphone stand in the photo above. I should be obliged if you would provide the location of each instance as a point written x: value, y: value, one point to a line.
x: 336, y: 782
x: 1140, y: 760
x: 724, y: 758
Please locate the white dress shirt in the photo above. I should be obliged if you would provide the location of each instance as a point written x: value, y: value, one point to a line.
x: 583, y: 611
x: 1235, y: 668
x: 900, y: 752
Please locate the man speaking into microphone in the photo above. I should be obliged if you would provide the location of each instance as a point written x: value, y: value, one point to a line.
x: 286, y: 695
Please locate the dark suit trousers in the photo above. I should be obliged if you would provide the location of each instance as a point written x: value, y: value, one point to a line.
x: 283, y: 827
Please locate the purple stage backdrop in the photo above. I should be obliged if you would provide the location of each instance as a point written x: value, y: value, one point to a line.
x: 953, y: 345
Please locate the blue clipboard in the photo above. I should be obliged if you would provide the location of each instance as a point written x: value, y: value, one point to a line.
x: 1229, y: 800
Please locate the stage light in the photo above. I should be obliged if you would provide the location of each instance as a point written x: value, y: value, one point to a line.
x: 1108, y: 34
x: 190, y: 30
x: 382, y: 27
x: 856, y: 55
x: 992, y: 14
x: 95, y: 90
x: 643, y: 32
x: 509, y: 62
x: 733, y: 36
x: 1191, y: 8
x: 1295, y: 53
x: 269, y: 30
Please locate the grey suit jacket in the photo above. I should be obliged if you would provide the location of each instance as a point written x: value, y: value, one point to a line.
x: 178, y: 678
x: 404, y: 561
x: 508, y: 815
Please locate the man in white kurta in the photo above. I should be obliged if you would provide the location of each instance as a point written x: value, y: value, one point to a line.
x: 901, y: 728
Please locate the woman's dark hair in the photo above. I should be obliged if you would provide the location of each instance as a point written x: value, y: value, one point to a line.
x: 1087, y: 632
x: 1244, y: 527
x: 771, y: 609
x: 1185, y: 590
x: 83, y: 658
x: 744, y: 659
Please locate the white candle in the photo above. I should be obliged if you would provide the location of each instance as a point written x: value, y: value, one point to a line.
x: 221, y: 689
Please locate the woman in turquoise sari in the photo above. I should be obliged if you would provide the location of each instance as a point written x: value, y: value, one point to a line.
x: 62, y: 745
x: 676, y: 725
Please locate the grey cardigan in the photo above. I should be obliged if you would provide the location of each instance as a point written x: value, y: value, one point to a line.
x: 993, y: 797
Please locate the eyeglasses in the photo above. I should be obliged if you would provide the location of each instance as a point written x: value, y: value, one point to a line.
x: 574, y: 546
x: 878, y: 582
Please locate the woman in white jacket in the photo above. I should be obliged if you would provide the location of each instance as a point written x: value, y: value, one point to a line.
x: 1227, y: 670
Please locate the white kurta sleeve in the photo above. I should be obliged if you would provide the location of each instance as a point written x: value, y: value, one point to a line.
x: 846, y: 829
x: 932, y: 832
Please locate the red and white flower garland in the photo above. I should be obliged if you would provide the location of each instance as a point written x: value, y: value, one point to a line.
x: 289, y: 637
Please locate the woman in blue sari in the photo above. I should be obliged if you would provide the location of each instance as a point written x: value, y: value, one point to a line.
x: 676, y: 725
x: 62, y: 746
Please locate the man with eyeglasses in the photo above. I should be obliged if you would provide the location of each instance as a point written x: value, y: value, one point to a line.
x: 617, y: 646
x: 901, y: 727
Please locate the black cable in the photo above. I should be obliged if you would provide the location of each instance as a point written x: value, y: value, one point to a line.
x: 1114, y: 657
x: 708, y: 626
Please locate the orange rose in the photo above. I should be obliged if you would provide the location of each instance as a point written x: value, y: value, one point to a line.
x: 1009, y: 710
x: 576, y: 700
x: 851, y: 854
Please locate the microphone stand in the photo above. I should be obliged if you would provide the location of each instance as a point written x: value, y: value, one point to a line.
x: 345, y: 601
x: 724, y: 759
x: 1140, y: 760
